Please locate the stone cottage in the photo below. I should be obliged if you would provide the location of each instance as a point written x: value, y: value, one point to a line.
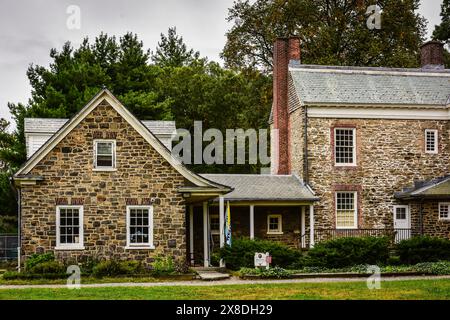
x: 359, y: 151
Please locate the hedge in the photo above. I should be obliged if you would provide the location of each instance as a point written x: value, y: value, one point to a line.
x: 423, y: 249
x: 242, y: 253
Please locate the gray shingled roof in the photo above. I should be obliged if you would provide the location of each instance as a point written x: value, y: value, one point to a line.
x: 50, y: 125
x: 438, y: 188
x: 248, y: 187
x: 379, y: 86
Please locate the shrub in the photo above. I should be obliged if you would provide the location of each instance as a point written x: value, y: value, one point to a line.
x: 111, y: 268
x: 343, y: 252
x: 36, y: 259
x: 163, y: 265
x: 423, y: 249
x: 13, y: 275
x: 47, y: 267
x: 435, y: 268
x: 242, y: 253
x: 272, y: 273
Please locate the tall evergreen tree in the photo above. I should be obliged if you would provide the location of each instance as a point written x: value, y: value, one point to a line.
x: 173, y: 52
x: 442, y: 31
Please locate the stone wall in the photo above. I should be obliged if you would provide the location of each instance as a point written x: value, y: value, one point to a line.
x: 143, y: 176
x: 390, y: 156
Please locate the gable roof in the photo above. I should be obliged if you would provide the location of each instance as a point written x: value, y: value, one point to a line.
x: 105, y: 94
x: 433, y: 189
x: 324, y: 85
x: 255, y: 187
x: 52, y: 125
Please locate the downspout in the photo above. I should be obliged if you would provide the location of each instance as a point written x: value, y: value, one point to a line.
x: 305, y: 153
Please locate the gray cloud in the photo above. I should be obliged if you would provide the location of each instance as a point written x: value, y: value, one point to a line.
x: 29, y: 29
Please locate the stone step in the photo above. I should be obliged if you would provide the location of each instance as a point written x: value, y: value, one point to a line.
x: 212, y: 275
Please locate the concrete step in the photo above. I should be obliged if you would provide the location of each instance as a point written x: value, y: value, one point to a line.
x: 212, y: 275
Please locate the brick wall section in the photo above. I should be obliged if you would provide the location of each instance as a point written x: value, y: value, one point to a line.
x: 390, y: 156
x: 431, y: 224
x: 432, y: 54
x: 142, y: 173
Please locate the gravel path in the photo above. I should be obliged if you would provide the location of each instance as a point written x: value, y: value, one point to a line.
x: 231, y: 281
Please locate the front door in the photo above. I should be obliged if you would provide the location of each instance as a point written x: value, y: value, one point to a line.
x: 402, y: 223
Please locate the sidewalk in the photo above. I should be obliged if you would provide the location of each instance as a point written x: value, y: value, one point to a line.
x: 231, y: 281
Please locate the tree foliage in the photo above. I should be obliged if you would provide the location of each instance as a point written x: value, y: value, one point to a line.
x: 173, y: 52
x: 442, y: 31
x: 332, y: 32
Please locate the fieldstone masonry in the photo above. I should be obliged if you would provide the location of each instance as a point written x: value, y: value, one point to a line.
x: 390, y: 156
x: 143, y: 176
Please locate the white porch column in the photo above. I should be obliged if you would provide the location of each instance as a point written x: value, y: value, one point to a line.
x: 222, y: 226
x: 252, y: 222
x: 303, y: 226
x: 191, y: 234
x: 311, y: 226
x: 205, y: 236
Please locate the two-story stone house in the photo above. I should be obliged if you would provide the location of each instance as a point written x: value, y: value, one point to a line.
x: 359, y: 151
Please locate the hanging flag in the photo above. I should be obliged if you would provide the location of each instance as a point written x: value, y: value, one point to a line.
x: 228, y: 226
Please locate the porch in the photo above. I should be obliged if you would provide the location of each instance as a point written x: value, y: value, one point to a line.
x: 278, y: 208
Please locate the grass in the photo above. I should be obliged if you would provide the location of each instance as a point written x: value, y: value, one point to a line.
x: 437, y: 289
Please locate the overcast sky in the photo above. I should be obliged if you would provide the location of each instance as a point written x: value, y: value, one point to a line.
x: 29, y: 29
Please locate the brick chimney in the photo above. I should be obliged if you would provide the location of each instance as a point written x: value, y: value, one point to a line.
x: 285, y: 50
x: 432, y: 55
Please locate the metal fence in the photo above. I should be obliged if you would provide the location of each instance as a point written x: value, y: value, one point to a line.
x: 320, y: 235
x: 8, y: 247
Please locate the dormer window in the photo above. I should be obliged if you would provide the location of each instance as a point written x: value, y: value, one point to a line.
x: 104, y: 154
x: 431, y: 141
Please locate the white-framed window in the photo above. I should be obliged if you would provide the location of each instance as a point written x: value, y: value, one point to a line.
x: 274, y: 224
x: 444, y: 211
x: 346, y: 210
x: 140, y: 227
x: 104, y: 154
x: 431, y: 141
x: 214, y: 224
x: 69, y: 227
x: 345, y: 146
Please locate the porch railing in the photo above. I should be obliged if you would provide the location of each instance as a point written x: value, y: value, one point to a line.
x: 8, y: 247
x: 320, y: 235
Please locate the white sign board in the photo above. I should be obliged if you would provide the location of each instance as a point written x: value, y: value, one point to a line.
x: 262, y: 260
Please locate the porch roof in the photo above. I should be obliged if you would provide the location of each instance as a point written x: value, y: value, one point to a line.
x: 255, y: 187
x: 438, y: 188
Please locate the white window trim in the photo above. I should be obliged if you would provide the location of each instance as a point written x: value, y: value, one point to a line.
x: 439, y: 211
x: 217, y: 231
x: 70, y: 246
x: 114, y: 167
x: 354, y: 163
x: 436, y: 141
x: 137, y: 246
x: 280, y: 224
x: 355, y: 205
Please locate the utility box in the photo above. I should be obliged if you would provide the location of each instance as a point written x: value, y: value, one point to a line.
x: 262, y: 260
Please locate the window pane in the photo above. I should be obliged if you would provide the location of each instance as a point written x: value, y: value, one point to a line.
x: 104, y: 161
x: 104, y: 148
x: 69, y: 225
x: 139, y: 226
x: 345, y: 210
x: 344, y: 146
x: 444, y: 211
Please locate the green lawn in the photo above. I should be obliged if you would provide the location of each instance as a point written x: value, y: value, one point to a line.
x: 410, y: 289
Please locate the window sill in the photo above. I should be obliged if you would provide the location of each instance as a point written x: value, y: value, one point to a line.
x: 62, y: 248
x: 104, y: 169
x: 275, y: 232
x: 140, y: 248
